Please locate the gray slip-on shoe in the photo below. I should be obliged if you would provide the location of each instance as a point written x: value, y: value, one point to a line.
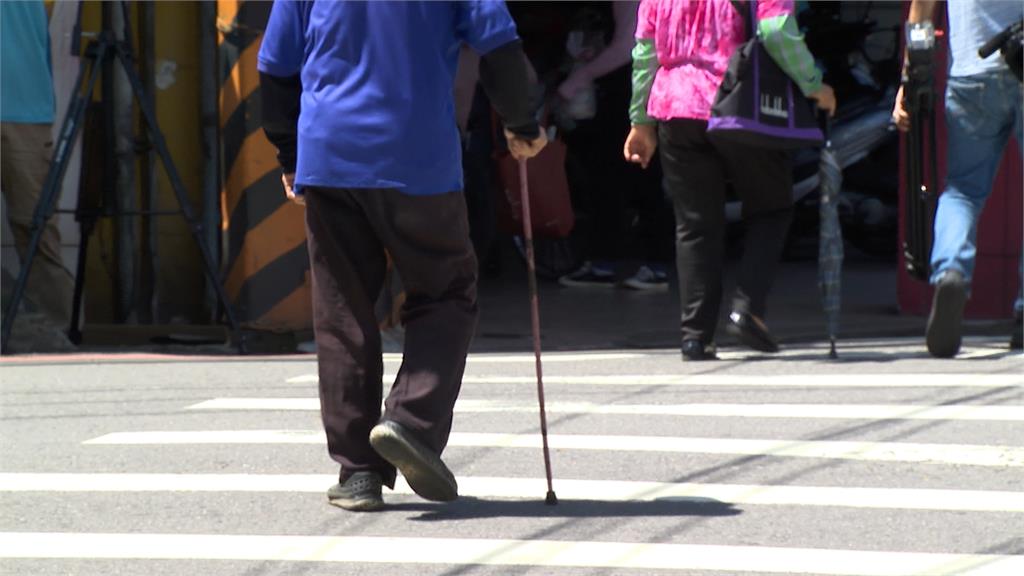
x: 426, y: 474
x: 360, y: 492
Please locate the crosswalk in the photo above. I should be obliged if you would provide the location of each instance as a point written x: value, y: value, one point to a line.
x: 783, y: 467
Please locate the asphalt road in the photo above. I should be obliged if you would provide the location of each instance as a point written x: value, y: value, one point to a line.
x: 885, y: 462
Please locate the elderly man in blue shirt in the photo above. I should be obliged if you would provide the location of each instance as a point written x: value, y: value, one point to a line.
x: 357, y: 98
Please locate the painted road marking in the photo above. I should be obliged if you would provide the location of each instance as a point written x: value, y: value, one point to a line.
x: 888, y: 380
x: 956, y: 454
x: 495, y: 552
x: 500, y: 359
x: 533, y: 488
x: 843, y: 411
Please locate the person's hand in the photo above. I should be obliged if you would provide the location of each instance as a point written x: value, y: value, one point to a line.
x: 572, y: 85
x: 289, y: 189
x: 640, y: 144
x: 900, y: 115
x: 825, y: 98
x: 523, y: 148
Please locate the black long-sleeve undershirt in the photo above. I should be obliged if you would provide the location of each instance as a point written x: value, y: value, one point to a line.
x: 281, y: 101
x: 504, y: 76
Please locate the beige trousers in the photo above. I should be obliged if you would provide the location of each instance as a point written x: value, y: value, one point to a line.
x: 25, y: 152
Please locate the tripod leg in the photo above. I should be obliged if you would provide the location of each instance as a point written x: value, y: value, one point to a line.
x: 195, y: 226
x: 69, y: 131
x: 931, y: 201
x: 910, y: 210
x: 74, y: 331
x: 917, y: 232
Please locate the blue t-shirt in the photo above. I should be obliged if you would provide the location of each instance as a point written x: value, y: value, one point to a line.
x: 377, y: 108
x: 972, y: 23
x: 26, y: 84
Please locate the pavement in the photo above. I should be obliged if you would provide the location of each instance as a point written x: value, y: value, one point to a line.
x: 884, y: 462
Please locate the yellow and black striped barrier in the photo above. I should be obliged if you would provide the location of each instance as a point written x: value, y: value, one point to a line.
x: 266, y: 262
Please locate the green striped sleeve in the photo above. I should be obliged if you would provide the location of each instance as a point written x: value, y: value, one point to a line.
x: 786, y: 46
x: 645, y: 66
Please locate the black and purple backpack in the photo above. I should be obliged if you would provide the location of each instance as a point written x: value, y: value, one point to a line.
x: 758, y: 104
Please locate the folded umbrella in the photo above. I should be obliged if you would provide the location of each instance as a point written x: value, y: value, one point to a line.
x: 830, y: 241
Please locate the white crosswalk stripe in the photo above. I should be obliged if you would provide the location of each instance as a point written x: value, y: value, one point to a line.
x: 962, y: 454
x: 943, y: 447
x: 493, y: 552
x: 843, y: 411
x: 747, y: 380
x: 529, y: 488
x: 491, y: 359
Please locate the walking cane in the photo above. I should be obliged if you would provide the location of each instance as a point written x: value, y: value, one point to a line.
x: 524, y: 191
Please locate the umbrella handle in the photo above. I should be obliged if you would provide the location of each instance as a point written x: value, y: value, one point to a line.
x: 826, y: 125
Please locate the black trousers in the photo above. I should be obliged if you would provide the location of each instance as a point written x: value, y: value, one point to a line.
x: 605, y: 186
x: 697, y: 173
x: 348, y: 231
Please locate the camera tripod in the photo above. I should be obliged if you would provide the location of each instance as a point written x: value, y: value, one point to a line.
x: 105, y: 49
x: 919, y: 99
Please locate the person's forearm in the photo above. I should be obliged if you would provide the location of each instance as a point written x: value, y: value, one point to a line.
x: 921, y: 11
x: 280, y: 103
x: 505, y: 77
x: 645, y: 67
x: 613, y: 57
x: 617, y: 53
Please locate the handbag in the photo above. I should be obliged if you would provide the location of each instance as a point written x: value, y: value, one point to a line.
x: 757, y: 103
x: 551, y: 213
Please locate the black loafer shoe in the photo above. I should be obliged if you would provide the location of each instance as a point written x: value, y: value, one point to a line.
x: 695, y: 351
x: 944, y: 322
x: 422, y: 468
x: 750, y: 332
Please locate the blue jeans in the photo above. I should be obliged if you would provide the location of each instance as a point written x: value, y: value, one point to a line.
x: 982, y: 112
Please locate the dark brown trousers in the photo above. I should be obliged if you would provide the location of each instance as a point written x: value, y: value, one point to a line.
x: 348, y: 231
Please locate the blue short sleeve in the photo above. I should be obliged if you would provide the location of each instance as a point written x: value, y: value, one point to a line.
x: 283, y: 48
x: 485, y: 24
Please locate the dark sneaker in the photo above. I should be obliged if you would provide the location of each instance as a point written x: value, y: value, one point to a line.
x: 422, y: 468
x: 751, y: 331
x: 361, y: 492
x: 695, y: 350
x: 944, y: 323
x: 647, y: 279
x: 588, y: 277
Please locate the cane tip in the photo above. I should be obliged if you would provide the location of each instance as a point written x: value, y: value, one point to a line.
x: 551, y: 499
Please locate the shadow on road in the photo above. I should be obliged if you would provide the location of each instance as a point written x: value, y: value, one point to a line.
x: 466, y: 508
